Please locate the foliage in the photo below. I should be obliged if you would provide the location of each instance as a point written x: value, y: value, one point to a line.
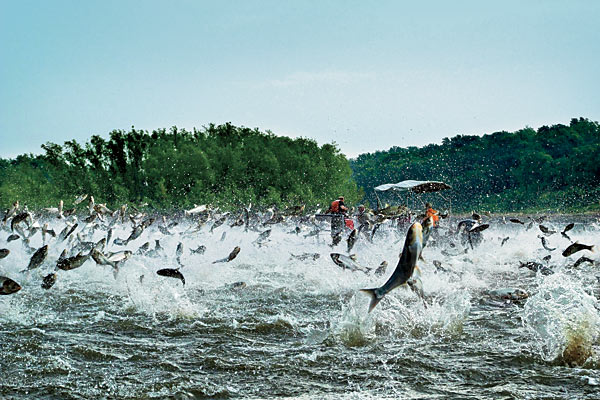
x: 222, y: 165
x: 555, y: 168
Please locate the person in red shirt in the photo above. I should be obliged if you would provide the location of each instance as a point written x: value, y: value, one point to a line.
x: 337, y: 222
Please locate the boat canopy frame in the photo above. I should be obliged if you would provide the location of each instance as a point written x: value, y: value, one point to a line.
x: 413, y: 189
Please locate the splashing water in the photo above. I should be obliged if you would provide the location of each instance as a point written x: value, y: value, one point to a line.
x: 300, y: 329
x: 564, y: 320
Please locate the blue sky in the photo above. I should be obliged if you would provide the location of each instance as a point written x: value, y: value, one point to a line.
x: 367, y: 75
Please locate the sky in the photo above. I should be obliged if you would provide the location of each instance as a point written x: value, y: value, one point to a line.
x: 365, y: 75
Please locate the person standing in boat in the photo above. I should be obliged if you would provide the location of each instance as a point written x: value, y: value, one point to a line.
x: 430, y: 212
x: 337, y: 221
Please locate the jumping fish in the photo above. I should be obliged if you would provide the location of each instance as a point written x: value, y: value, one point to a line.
x: 479, y: 228
x: 230, y: 257
x: 352, y: 239
x: 546, y: 231
x: 568, y: 227
x: 306, y: 256
x: 545, y: 244
x: 69, y: 263
x: 581, y: 260
x: 348, y: 262
x: 195, y: 210
x: 219, y: 222
x: 37, y: 258
x: 172, y: 273
x: 575, y: 247
x: 17, y: 219
x: 381, y: 269
x: 80, y: 198
x: 49, y: 280
x: 11, y: 212
x: 200, y: 250
x: 8, y: 286
x: 263, y: 237
x: 101, y: 259
x: 143, y: 249
x: 413, y: 245
x: 535, y: 267
x: 66, y: 232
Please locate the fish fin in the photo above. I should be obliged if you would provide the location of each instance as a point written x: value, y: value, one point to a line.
x: 374, y: 299
x: 353, y: 257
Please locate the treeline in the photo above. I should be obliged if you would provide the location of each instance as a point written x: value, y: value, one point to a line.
x: 556, y: 168
x: 224, y: 165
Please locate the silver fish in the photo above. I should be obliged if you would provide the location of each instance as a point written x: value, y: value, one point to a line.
x: 4, y: 253
x: 582, y: 259
x: 545, y: 244
x: 8, y: 286
x: 546, y: 230
x: 348, y: 262
x: 352, y: 239
x: 69, y: 263
x: 143, y: 249
x: 37, y: 258
x: 80, y: 198
x: 230, y: 257
x: 200, y: 250
x: 381, y: 269
x: 306, y: 256
x: 66, y: 232
x: 101, y: 259
x: 49, y: 280
x: 413, y: 245
x: 575, y: 247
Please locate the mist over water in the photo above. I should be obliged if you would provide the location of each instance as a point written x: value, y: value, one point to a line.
x: 300, y: 329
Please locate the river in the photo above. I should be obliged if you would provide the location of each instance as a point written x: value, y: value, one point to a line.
x: 300, y: 329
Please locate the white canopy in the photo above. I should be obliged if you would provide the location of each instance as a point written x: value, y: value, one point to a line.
x: 414, y: 186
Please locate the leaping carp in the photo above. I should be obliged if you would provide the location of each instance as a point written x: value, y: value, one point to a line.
x: 413, y: 245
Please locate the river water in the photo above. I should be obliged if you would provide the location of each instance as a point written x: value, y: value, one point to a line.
x: 300, y: 329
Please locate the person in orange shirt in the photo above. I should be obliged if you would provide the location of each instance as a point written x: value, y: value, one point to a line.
x: 430, y: 212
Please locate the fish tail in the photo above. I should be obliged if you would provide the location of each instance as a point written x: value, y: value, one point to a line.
x: 374, y: 298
